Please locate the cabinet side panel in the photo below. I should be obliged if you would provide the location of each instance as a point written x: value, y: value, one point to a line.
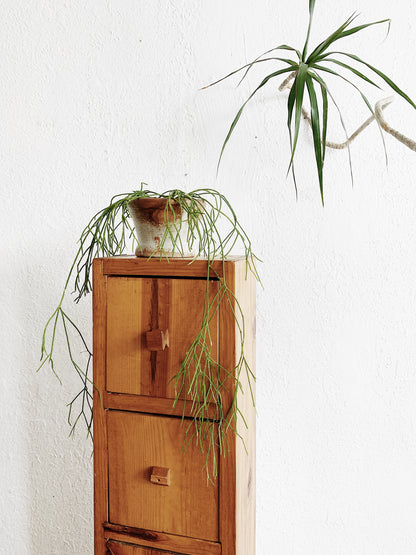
x: 246, y: 460
x: 237, y: 475
x: 100, y: 436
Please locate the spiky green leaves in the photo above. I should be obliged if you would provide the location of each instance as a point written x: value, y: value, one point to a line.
x: 309, y: 90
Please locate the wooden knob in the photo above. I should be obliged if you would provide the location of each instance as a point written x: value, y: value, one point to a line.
x: 157, y: 340
x: 160, y: 476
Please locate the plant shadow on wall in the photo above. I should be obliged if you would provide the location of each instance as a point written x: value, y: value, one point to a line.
x: 308, y: 88
x: 201, y: 223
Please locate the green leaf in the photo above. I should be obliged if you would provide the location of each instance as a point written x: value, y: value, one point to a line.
x: 299, y: 87
x: 240, y: 111
x: 319, y: 79
x: 316, y: 132
x: 291, y: 103
x: 247, y: 67
x: 281, y: 47
x: 329, y: 40
x: 311, y: 10
x: 352, y: 69
x: 341, y: 33
x: 290, y: 107
x: 385, y: 78
x: 359, y: 28
x: 324, y: 119
x: 366, y: 101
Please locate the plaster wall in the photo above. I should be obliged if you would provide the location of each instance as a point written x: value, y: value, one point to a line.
x: 97, y: 96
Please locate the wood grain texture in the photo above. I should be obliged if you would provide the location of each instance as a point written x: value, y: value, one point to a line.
x: 120, y: 548
x: 100, y: 428
x: 181, y: 267
x: 180, y: 545
x: 136, y: 306
x: 155, y: 405
x: 136, y: 443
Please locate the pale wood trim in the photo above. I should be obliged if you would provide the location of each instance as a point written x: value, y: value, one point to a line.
x: 159, y: 540
x: 245, y: 290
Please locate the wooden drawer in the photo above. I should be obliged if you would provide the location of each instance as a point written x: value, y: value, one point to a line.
x: 136, y: 305
x: 136, y: 444
x: 121, y: 548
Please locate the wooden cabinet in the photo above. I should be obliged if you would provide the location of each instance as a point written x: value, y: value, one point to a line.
x: 151, y: 496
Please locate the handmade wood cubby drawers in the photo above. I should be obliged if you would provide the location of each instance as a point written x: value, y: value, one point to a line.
x: 151, y: 496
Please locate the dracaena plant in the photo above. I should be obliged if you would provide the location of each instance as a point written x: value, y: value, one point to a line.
x: 307, y: 73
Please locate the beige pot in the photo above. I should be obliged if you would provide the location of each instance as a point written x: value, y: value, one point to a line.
x: 149, y: 221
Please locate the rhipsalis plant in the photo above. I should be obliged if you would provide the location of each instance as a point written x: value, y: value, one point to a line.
x: 213, y: 232
x: 308, y: 69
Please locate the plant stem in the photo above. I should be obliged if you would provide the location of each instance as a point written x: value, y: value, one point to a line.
x: 199, y: 377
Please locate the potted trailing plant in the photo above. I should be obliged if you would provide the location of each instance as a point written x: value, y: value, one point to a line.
x: 306, y: 80
x: 189, y: 226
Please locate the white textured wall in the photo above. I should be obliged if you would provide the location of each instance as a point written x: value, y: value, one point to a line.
x: 98, y: 95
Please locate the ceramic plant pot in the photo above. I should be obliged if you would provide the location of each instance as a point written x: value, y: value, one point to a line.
x: 149, y: 217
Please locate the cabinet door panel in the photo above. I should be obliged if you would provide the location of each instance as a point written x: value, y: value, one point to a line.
x: 137, y: 443
x: 139, y: 305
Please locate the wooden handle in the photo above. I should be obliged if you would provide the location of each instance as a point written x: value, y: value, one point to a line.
x: 160, y: 476
x: 157, y: 340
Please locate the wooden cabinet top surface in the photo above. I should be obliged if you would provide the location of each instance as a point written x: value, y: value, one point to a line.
x: 184, y: 267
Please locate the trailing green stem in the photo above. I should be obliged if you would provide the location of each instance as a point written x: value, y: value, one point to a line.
x: 200, y: 379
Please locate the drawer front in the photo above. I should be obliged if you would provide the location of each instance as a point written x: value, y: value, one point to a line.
x: 121, y: 548
x: 136, y: 306
x: 153, y: 484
